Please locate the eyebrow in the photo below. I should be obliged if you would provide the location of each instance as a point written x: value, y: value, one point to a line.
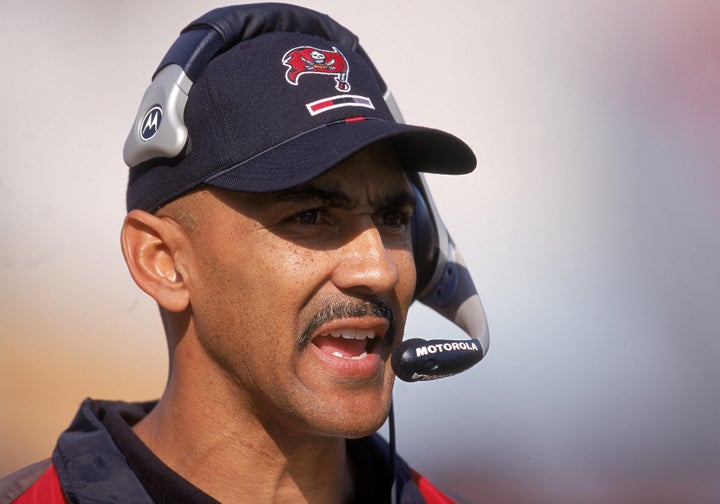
x: 401, y: 199
x: 309, y: 193
x: 336, y: 198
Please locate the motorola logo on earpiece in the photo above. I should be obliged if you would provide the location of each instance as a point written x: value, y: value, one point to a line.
x: 150, y: 123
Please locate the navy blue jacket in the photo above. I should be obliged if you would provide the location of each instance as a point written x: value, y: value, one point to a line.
x: 99, y: 459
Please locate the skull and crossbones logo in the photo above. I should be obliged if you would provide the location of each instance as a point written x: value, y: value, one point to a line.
x: 318, y: 62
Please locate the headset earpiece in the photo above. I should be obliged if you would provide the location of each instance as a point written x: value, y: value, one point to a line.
x: 424, y: 238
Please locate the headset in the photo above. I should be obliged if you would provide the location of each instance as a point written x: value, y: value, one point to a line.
x: 444, y: 283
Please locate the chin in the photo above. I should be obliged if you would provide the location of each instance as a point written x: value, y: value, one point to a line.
x: 361, y: 430
x: 356, y: 431
x: 352, y: 421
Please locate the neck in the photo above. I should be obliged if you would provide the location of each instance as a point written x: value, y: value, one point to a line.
x: 211, y: 436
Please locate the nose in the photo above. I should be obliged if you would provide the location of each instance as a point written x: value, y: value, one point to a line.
x: 365, y: 265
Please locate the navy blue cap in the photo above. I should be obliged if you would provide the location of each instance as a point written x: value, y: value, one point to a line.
x: 278, y: 110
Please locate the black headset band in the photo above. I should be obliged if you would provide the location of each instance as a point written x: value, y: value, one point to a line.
x: 222, y: 28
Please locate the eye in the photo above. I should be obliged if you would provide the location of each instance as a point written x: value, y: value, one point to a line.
x: 396, y: 219
x: 307, y: 217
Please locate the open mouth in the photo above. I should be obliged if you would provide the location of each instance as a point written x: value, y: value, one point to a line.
x: 354, y: 344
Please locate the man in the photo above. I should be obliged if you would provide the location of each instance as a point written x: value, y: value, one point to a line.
x: 269, y: 217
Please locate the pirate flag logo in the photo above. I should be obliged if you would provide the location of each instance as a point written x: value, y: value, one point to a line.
x: 310, y: 60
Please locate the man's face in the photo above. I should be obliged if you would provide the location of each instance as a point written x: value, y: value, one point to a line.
x: 300, y: 296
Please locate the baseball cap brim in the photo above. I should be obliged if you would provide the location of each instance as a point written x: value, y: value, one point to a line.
x: 311, y: 154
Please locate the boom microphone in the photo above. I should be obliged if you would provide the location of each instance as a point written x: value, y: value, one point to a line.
x: 418, y: 359
x: 444, y: 285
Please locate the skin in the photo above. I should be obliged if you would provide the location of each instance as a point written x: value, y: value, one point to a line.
x: 255, y: 410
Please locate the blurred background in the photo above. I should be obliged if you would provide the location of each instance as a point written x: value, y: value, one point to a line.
x: 591, y: 227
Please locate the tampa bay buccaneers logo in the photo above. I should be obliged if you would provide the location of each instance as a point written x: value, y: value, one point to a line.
x: 310, y: 60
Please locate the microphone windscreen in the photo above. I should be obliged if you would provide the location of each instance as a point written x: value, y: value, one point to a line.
x: 419, y: 360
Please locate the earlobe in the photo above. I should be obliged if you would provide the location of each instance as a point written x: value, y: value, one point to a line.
x: 150, y: 244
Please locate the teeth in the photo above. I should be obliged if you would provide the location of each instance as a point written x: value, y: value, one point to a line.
x: 353, y: 334
x: 356, y: 357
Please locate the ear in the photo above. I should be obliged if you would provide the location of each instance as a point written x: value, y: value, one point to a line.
x: 150, y: 244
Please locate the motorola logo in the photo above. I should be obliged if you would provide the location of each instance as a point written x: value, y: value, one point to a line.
x: 150, y: 123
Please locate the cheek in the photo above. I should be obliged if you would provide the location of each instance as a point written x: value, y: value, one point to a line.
x: 291, y: 272
x: 274, y: 283
x: 253, y: 295
x: 407, y: 275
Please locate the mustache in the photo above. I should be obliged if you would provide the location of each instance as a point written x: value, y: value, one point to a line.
x: 348, y: 309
